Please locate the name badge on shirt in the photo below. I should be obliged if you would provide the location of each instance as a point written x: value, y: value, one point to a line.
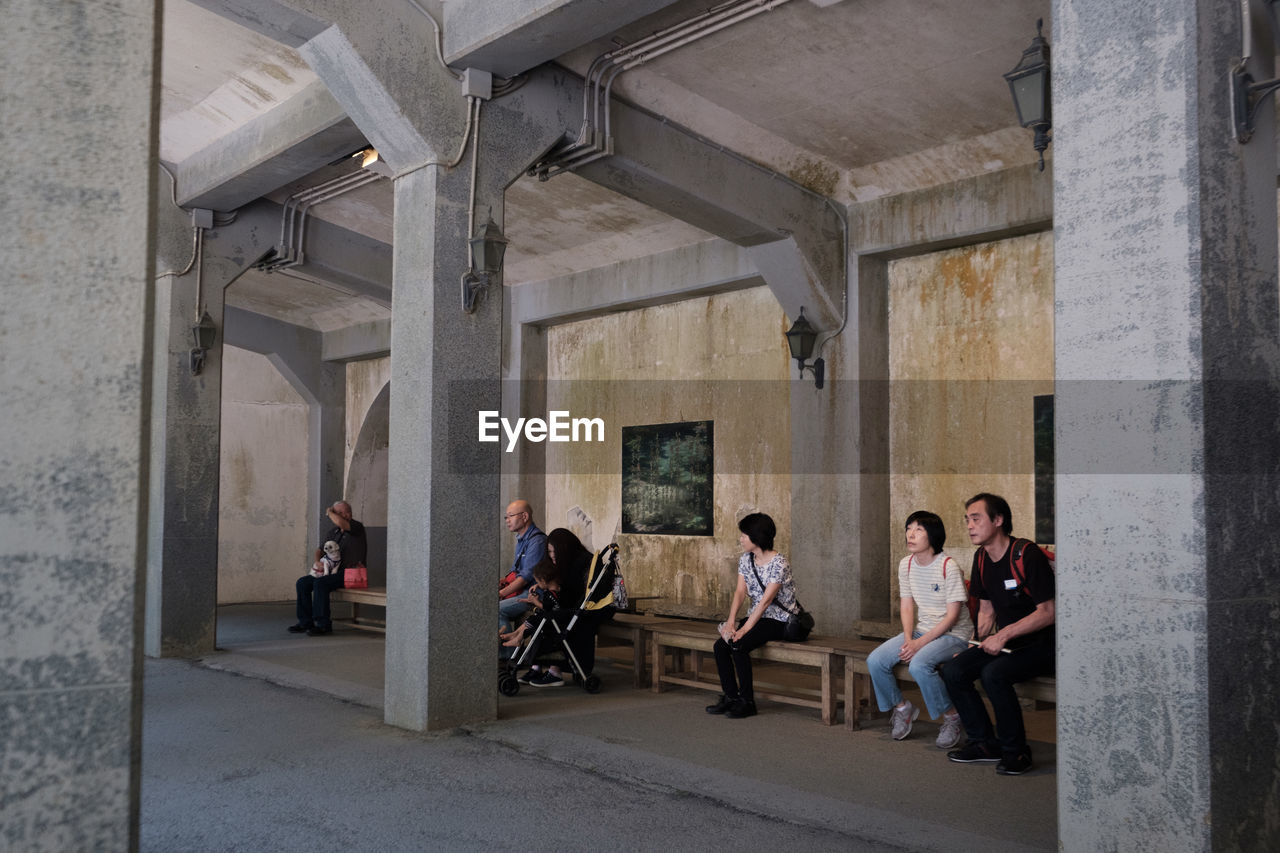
x: 1010, y: 583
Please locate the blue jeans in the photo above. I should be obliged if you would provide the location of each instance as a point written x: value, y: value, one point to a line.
x: 923, y: 668
x: 511, y: 610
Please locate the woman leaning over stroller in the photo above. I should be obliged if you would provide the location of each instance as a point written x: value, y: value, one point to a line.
x: 765, y: 576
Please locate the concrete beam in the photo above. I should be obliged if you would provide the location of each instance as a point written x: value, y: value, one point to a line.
x: 508, y: 37
x: 330, y: 253
x: 306, y: 132
x: 270, y: 18
x: 357, y: 342
x: 715, y: 266
x: 993, y: 206
x: 796, y: 237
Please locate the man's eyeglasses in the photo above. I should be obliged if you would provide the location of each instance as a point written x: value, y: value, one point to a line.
x: 513, y: 515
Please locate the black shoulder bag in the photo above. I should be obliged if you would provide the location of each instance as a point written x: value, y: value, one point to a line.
x: 800, y: 624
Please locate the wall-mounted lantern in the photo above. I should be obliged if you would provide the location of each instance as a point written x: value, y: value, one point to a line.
x: 1029, y: 84
x: 488, y: 247
x: 801, y: 338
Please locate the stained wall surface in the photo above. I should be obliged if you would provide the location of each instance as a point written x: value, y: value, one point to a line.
x: 365, y: 380
x: 721, y: 358
x: 262, y: 515
x: 970, y: 345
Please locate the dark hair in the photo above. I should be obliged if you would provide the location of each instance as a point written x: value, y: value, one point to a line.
x: 933, y: 527
x: 569, y: 548
x: 760, y: 529
x: 995, y: 505
x: 546, y: 572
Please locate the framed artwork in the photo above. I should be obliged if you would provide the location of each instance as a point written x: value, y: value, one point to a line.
x: 667, y: 478
x: 1043, y: 435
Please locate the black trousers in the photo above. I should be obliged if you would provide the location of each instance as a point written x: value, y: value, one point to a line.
x: 313, y: 599
x: 733, y: 663
x: 998, y: 674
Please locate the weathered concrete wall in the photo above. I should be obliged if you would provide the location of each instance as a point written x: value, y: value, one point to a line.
x: 721, y: 358
x: 970, y: 344
x: 76, y: 396
x: 262, y: 513
x: 364, y: 382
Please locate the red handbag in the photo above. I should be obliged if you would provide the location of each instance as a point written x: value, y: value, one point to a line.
x: 511, y: 576
x: 356, y: 577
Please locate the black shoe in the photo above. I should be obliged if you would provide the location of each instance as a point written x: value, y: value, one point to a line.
x: 317, y: 631
x: 299, y: 628
x: 1014, y: 765
x: 724, y: 703
x: 529, y: 676
x: 973, y: 753
x: 742, y: 708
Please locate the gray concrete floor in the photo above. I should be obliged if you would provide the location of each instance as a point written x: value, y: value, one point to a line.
x: 269, y: 745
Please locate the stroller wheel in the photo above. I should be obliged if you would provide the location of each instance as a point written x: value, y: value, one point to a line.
x: 507, y: 684
x: 592, y: 684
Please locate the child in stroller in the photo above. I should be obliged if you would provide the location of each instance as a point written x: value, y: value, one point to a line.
x: 574, y: 596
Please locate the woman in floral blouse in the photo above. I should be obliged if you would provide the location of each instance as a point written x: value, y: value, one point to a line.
x: 765, y: 576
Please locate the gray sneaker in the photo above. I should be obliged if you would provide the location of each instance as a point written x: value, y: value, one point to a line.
x: 950, y: 734
x: 902, y: 719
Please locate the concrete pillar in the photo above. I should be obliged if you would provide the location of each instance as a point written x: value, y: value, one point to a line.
x: 1168, y: 418
x: 839, y: 461
x: 75, y: 394
x: 186, y: 425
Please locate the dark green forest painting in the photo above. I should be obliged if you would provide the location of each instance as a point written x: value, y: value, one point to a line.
x: 667, y: 477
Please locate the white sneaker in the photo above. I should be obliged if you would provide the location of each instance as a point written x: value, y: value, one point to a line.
x: 902, y: 719
x: 950, y: 734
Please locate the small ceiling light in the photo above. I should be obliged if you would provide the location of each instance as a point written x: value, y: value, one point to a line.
x: 204, y: 333
x: 800, y: 338
x: 488, y: 247
x: 1029, y: 83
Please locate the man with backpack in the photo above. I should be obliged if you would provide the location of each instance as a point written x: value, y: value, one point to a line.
x: 1013, y: 582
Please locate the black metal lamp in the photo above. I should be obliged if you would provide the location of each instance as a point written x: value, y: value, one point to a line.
x: 800, y: 338
x: 204, y: 333
x: 488, y: 247
x: 1029, y: 84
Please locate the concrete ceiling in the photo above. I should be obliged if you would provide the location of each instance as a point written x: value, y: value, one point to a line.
x: 853, y: 98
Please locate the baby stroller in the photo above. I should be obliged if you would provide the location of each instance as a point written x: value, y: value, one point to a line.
x: 605, y: 591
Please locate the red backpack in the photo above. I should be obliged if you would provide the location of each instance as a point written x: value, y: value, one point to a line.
x: 1017, y: 549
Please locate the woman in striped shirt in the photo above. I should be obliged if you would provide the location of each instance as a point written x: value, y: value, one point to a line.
x: 935, y: 627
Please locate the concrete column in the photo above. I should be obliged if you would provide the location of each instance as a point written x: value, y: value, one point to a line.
x: 75, y: 394
x: 182, y: 535
x: 441, y: 497
x: 839, y: 461
x: 1167, y: 418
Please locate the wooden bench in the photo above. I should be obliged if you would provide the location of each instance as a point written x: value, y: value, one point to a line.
x: 632, y: 628
x: 858, y: 688
x: 374, y: 595
x: 697, y: 638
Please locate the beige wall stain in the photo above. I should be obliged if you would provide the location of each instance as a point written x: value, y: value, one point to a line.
x: 721, y: 358
x: 262, y: 523
x: 970, y: 345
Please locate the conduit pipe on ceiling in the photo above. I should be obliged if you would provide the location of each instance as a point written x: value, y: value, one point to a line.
x: 293, y: 219
x: 595, y: 140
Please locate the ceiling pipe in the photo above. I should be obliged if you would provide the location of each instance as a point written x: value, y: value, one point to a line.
x: 595, y: 139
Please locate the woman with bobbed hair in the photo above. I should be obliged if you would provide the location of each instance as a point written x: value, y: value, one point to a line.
x: 935, y: 627
x: 764, y: 575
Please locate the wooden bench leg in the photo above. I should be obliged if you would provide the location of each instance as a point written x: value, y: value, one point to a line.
x: 828, y: 693
x: 656, y: 661
x: 637, y: 658
x: 852, y: 696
